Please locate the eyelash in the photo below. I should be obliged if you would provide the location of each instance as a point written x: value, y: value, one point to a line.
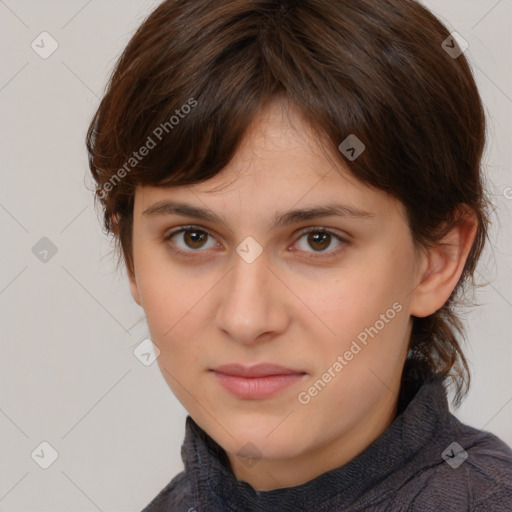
x: 191, y: 254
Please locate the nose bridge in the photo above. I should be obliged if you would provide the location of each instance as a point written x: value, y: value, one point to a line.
x: 249, y: 267
x: 245, y: 306
x: 248, y: 278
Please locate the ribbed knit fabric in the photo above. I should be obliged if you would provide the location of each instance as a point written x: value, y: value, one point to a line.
x: 402, y: 470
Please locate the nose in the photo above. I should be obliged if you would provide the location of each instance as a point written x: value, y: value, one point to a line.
x: 253, y: 307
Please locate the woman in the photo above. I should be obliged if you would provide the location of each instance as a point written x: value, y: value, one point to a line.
x: 295, y: 189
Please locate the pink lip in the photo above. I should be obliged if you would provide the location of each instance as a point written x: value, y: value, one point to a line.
x: 259, y: 370
x: 256, y: 382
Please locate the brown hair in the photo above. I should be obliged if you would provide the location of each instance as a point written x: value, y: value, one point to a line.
x: 197, y: 73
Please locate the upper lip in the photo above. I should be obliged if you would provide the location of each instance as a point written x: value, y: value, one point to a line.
x: 259, y: 370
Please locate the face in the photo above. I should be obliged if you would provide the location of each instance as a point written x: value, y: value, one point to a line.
x: 328, y: 297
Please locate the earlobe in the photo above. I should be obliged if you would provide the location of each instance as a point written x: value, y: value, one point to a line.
x: 134, y: 289
x: 442, y: 267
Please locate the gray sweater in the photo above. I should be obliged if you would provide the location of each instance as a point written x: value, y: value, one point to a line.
x: 414, y: 465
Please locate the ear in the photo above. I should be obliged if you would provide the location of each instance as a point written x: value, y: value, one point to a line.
x: 441, y: 266
x: 134, y: 288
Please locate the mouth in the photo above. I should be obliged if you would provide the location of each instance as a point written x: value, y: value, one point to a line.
x: 256, y: 382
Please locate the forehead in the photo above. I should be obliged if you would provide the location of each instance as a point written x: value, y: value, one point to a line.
x: 281, y: 163
x: 280, y: 143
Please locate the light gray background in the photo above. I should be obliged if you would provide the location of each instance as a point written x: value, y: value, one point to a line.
x: 69, y: 326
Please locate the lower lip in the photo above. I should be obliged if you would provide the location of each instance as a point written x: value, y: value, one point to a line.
x: 256, y: 387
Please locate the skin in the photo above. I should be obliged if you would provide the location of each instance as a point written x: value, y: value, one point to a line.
x: 285, y: 308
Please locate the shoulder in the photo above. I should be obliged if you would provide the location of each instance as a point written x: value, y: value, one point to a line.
x: 474, y: 473
x: 176, y: 496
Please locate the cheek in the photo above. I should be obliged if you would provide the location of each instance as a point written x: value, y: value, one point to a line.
x: 368, y: 310
x: 371, y: 335
x: 353, y: 301
x: 167, y: 296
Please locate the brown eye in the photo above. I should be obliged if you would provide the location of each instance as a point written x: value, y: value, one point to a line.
x: 191, y: 241
x: 194, y: 238
x: 320, y: 240
x: 188, y: 240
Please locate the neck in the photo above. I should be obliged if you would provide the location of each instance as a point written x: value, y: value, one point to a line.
x: 276, y: 474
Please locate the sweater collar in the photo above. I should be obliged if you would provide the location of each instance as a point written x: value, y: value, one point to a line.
x: 214, y: 484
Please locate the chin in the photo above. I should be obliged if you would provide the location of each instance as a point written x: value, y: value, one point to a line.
x: 256, y: 436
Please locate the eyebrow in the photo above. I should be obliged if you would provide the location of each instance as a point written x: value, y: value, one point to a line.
x: 166, y: 207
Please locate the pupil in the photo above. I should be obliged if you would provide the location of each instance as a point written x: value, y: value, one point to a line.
x: 197, y: 237
x: 319, y: 238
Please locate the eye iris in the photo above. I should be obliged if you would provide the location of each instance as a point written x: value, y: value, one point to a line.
x: 197, y: 237
x: 319, y: 237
